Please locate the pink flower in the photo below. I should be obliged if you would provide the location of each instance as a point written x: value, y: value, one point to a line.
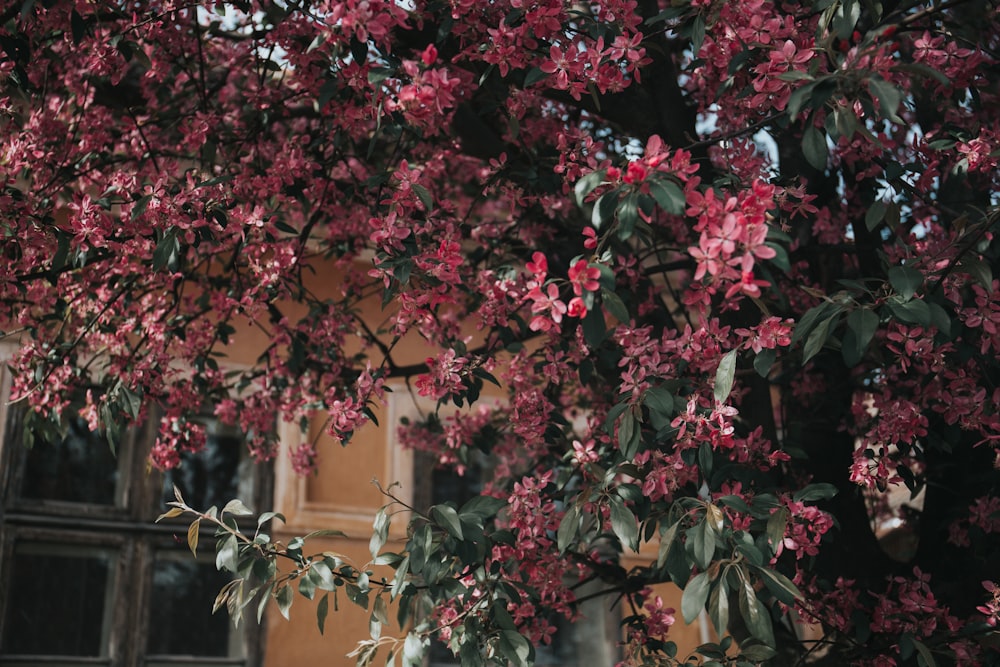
x: 584, y: 277
x: 429, y: 55
x: 538, y: 266
x: 547, y: 307
x: 635, y: 172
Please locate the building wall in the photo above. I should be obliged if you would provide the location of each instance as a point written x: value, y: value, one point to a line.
x: 342, y: 495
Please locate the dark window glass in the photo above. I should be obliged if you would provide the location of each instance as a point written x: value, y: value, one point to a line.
x: 180, y: 612
x: 212, y: 476
x: 58, y: 600
x: 80, y: 468
x: 448, y: 486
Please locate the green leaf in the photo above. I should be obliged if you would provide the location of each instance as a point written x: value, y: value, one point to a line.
x: 424, y: 195
x: 356, y: 594
x: 924, y: 656
x: 861, y: 327
x: 594, y: 328
x: 667, y: 537
x: 267, y: 516
x: 701, y: 544
x: 724, y: 376
x: 587, y: 184
x: 629, y: 435
x: 623, y: 524
x: 325, y: 532
x: 914, y: 311
x: 941, y: 319
x: 140, y: 205
x: 628, y: 215
x: 846, y: 17
x: 569, y: 526
x: 413, y: 650
x: 905, y: 280
x: 755, y: 614
x: 166, y: 250
x: 780, y: 258
x: 482, y: 507
x: 284, y: 598
x: 59, y: 258
x: 326, y: 92
x: 736, y: 503
x: 533, y: 76
x: 374, y: 626
x: 380, y: 610
x: 604, y: 209
x: 380, y: 532
x: 763, y: 361
x: 323, y: 575
x: 614, y: 305
x: 660, y: 404
x: 307, y: 585
x: 694, y: 597
x: 813, y: 492
x: 668, y: 195
x: 888, y: 96
x: 705, y: 459
x: 795, y: 75
x: 613, y: 414
x: 400, y: 578
x: 228, y: 554
x: 446, y: 517
x: 817, y: 339
x: 978, y: 269
x: 237, y: 508
x: 265, y: 597
x: 515, y: 648
x: 814, y: 147
x: 321, y: 611
x: 481, y: 372
x: 809, y: 320
x: 875, y: 214
x: 715, y: 518
x: 697, y: 33
x: 775, y: 530
x: 757, y: 652
x: 798, y: 99
x: 718, y: 607
x: 781, y: 587
x: 377, y: 75
x: 923, y: 70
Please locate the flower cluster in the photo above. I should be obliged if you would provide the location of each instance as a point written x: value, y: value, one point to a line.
x: 713, y: 252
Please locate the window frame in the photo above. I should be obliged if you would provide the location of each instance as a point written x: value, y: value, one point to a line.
x: 127, y: 527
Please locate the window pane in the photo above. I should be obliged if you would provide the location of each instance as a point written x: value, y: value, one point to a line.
x: 58, y: 602
x: 213, y: 475
x: 79, y: 468
x: 180, y: 609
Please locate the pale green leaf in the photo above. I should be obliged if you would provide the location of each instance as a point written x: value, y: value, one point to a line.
x: 694, y: 597
x: 724, y: 376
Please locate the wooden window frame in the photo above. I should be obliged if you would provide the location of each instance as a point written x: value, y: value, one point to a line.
x: 126, y: 527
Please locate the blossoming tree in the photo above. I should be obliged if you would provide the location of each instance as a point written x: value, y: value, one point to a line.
x: 732, y: 262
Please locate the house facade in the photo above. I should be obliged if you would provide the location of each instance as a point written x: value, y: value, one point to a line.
x: 88, y: 578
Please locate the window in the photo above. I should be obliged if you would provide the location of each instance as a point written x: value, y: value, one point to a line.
x: 593, y: 639
x: 88, y: 578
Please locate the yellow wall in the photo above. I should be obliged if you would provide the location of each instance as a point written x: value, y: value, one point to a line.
x: 341, y: 496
